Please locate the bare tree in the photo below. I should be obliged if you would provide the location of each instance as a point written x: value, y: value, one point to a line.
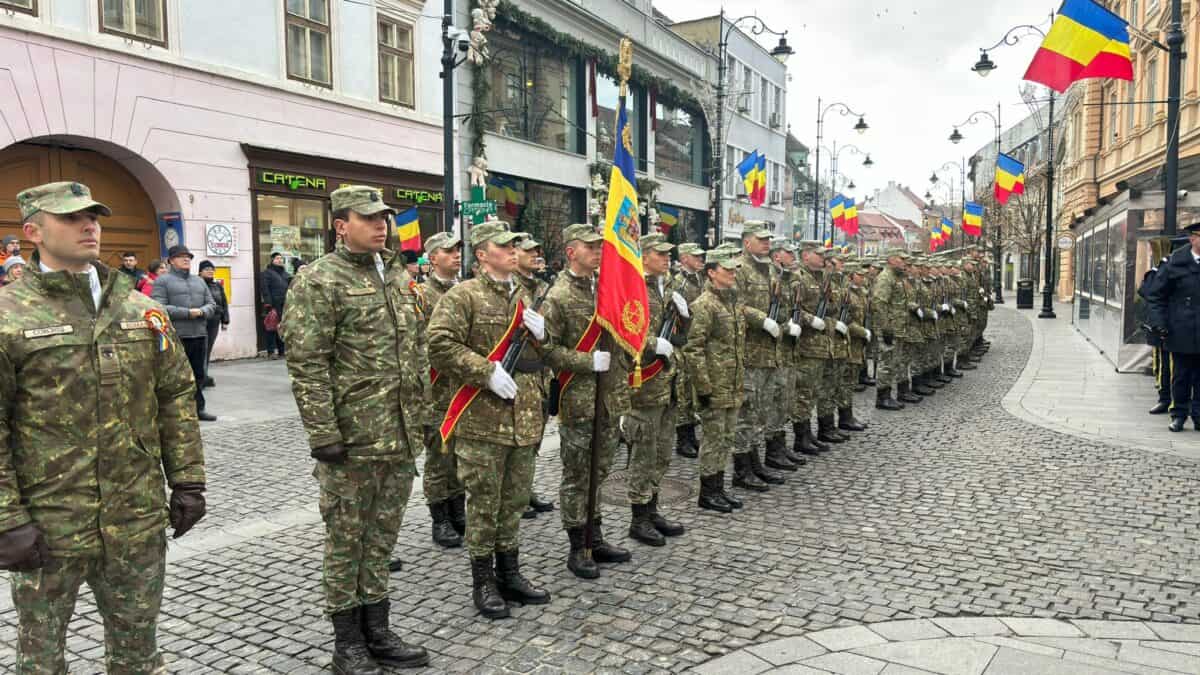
x: 1023, y: 221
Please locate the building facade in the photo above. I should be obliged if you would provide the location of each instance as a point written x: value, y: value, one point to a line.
x: 223, y: 135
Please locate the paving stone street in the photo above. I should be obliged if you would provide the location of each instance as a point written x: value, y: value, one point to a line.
x: 950, y: 509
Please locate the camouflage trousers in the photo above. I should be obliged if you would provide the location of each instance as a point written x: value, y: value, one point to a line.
x: 498, y: 479
x: 831, y: 382
x: 575, y: 448
x: 441, y: 481
x: 128, y: 588
x: 685, y: 395
x: 718, y: 442
x: 849, y: 379
x: 893, y: 364
x: 809, y: 388
x: 362, y: 503
x: 762, y: 413
x: 651, y: 437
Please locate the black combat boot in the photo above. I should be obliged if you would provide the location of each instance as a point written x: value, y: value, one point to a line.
x: 711, y: 497
x: 350, y: 654
x: 583, y: 567
x: 514, y: 587
x: 965, y: 363
x: 444, y: 534
x: 458, y: 514
x: 685, y: 441
x: 396, y: 565
x: 803, y: 442
x: 932, y: 379
x: 950, y: 370
x: 792, y: 456
x: 943, y: 374
x: 538, y: 504
x: 604, y: 552
x: 666, y: 527
x: 764, y: 474
x: 777, y: 456
x: 865, y: 379
x: 919, y: 387
x: 884, y: 400
x: 486, y: 594
x: 642, y: 529
x: 906, y: 394
x: 743, y: 473
x: 826, y: 431
x: 386, y: 646
x: 719, y: 483
x: 846, y: 420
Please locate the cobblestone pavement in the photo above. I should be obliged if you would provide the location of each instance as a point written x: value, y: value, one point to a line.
x: 951, y: 508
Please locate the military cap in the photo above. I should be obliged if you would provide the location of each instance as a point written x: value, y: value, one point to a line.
x: 1194, y: 228
x: 783, y: 245
x: 690, y: 249
x: 59, y: 199
x: 725, y: 257
x: 442, y: 240
x: 361, y: 199
x: 581, y: 232
x: 656, y: 241
x: 811, y: 245
x: 878, y: 265
x: 495, y: 231
x: 756, y: 228
x: 527, y: 242
x: 899, y: 253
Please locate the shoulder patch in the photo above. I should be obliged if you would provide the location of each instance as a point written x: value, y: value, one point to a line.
x: 49, y: 331
x: 367, y: 290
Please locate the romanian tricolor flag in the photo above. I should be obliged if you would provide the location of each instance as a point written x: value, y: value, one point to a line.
x: 851, y: 212
x: 748, y: 170
x: 947, y: 229
x: 935, y: 237
x: 837, y: 211
x: 973, y: 219
x: 759, y: 196
x: 829, y: 242
x: 408, y: 230
x: 1010, y: 178
x: 622, y: 304
x: 1085, y: 41
x: 506, y: 193
x: 668, y: 217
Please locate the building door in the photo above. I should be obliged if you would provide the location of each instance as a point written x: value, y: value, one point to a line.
x: 133, y: 225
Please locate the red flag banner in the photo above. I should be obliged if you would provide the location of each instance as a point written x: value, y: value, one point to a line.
x: 466, y: 394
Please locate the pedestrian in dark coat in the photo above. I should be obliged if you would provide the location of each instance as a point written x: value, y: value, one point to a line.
x: 1174, y: 297
x: 217, y: 322
x: 275, y: 282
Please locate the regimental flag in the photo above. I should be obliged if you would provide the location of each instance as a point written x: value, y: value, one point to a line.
x: 837, y: 211
x: 759, y: 196
x: 668, y: 217
x: 973, y: 219
x: 408, y: 230
x: 1010, y: 178
x: 622, y: 304
x: 505, y: 192
x: 748, y: 170
x: 947, y: 229
x: 851, y: 211
x: 1085, y: 41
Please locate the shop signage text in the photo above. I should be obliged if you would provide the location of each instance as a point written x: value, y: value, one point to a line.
x: 292, y: 181
x: 323, y: 185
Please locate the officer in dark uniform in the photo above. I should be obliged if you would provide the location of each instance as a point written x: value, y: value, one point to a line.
x: 1174, y: 299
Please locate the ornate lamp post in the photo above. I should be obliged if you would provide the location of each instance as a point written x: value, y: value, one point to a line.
x: 836, y: 152
x: 861, y: 127
x: 962, y: 176
x: 956, y: 137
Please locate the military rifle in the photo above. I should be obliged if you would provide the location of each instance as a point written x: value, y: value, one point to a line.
x: 797, y: 311
x: 773, y: 308
x: 513, y: 354
x: 823, y: 303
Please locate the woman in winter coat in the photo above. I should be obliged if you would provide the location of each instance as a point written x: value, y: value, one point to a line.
x: 275, y: 281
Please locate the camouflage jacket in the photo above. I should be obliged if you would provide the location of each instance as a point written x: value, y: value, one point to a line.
x: 93, y: 414
x: 467, y: 324
x: 568, y: 310
x: 813, y: 343
x: 715, y: 354
x: 925, y: 300
x: 441, y: 391
x: 357, y: 356
x: 531, y: 359
x: 657, y: 391
x: 839, y: 289
x: 855, y: 321
x: 755, y: 283
x: 689, y: 285
x: 889, y: 303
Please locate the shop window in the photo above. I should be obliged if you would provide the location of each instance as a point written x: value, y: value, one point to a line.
x: 395, y: 62
x: 308, y: 56
x: 143, y: 20
x: 535, y: 92
x: 607, y: 93
x: 540, y: 209
x: 679, y: 145
x: 26, y: 6
x: 294, y: 227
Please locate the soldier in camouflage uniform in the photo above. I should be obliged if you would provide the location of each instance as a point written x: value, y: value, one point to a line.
x: 569, y: 309
x: 649, y: 423
x: 830, y: 382
x: 953, y: 283
x: 757, y: 283
x: 889, y: 305
x: 975, y: 306
x: 859, y: 337
x: 779, y: 455
x: 97, y: 407
x: 689, y: 281
x: 923, y: 383
x: 530, y: 261
x: 356, y: 356
x: 715, y: 355
x: 813, y: 348
x: 444, y: 492
x: 842, y: 385
x: 497, y: 435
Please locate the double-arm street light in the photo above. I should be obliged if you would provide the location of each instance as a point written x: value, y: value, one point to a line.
x: 962, y: 177
x: 861, y: 127
x: 781, y: 52
x: 956, y: 137
x: 835, y: 153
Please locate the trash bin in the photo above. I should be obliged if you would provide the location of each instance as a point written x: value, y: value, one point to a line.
x: 1025, y: 294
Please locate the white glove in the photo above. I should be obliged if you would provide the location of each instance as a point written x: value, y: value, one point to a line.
x: 953, y: 312
x: 945, y: 307
x: 935, y: 315
x: 772, y: 327
x: 536, y: 323
x: 982, y: 292
x: 680, y: 305
x: 966, y: 305
x: 793, y: 329
x: 841, y: 328
x: 502, y: 384
x: 869, y: 334
x: 817, y: 323
x: 663, y: 347
x: 601, y: 361
x: 920, y: 313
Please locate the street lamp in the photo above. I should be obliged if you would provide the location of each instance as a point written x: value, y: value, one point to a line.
x: 956, y: 137
x: 781, y: 52
x: 861, y: 127
x: 933, y: 179
x: 984, y: 65
x: 867, y: 162
x: 836, y: 153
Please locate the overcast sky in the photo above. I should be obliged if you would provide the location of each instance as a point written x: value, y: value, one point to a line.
x: 904, y: 65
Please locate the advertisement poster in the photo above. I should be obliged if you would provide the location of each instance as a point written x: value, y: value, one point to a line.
x: 170, y: 231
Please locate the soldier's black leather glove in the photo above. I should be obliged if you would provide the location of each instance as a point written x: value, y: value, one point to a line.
x: 430, y: 435
x: 705, y: 400
x: 23, y: 549
x: 889, y: 338
x: 330, y: 454
x: 187, y: 507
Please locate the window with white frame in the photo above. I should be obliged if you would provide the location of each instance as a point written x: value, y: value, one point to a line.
x: 748, y: 83
x: 143, y: 20
x: 308, y: 49
x: 26, y: 6
x: 778, y: 108
x: 1112, y: 118
x: 1151, y: 92
x: 763, y: 97
x: 395, y: 62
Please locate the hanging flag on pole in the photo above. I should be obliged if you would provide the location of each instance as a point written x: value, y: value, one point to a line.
x: 1010, y: 178
x: 1085, y: 41
x: 851, y: 218
x: 947, y: 229
x: 973, y: 219
x: 759, y: 197
x: 408, y: 230
x: 837, y: 211
x: 748, y: 170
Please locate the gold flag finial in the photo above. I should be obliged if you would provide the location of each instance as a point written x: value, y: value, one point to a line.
x: 625, y: 64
